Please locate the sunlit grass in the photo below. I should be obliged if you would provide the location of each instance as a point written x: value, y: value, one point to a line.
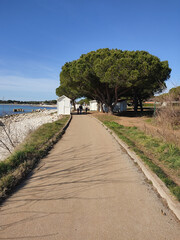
x: 145, y: 145
x: 33, y: 147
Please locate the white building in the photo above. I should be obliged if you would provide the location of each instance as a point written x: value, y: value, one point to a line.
x: 120, y: 106
x: 77, y: 105
x: 63, y: 105
x: 93, y: 105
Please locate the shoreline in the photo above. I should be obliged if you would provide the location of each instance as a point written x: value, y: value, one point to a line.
x: 18, y: 126
x: 35, y: 105
x: 7, y: 109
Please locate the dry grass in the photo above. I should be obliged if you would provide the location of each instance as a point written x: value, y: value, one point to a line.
x: 160, y: 131
x: 167, y: 119
x: 162, y: 157
x: 165, y: 124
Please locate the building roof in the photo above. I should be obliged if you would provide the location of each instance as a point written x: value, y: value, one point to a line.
x: 93, y: 101
x: 62, y: 97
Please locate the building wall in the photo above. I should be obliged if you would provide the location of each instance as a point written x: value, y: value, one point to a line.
x: 93, y: 106
x: 64, y: 106
x: 120, y: 106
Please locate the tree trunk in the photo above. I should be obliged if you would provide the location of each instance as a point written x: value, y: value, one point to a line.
x: 98, y: 106
x: 101, y: 106
x: 110, y: 110
x: 135, y: 102
x: 140, y: 104
x: 73, y: 102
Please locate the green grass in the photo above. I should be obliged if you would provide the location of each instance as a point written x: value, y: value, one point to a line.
x: 145, y: 145
x: 35, y: 146
x: 148, y: 105
x: 149, y: 120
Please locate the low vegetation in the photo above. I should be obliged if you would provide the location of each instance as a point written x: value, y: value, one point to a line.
x: 27, y: 155
x: 168, y: 115
x: 163, y: 158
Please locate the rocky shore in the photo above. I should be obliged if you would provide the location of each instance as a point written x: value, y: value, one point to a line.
x: 14, y: 128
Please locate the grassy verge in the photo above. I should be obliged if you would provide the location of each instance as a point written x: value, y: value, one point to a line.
x: 157, y: 154
x: 35, y: 147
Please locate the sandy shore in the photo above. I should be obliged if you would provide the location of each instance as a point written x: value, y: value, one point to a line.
x: 18, y: 126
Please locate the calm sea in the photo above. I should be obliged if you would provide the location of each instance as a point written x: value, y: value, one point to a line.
x: 6, y: 109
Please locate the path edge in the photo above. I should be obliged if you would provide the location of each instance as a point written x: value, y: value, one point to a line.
x: 160, y: 187
x: 20, y: 176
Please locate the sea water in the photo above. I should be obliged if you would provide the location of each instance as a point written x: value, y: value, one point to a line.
x: 7, y: 109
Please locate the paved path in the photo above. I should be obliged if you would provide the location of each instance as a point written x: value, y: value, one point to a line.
x: 87, y: 189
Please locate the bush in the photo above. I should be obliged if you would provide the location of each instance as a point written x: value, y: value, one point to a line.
x: 168, y: 115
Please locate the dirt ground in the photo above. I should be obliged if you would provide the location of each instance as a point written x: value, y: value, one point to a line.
x: 87, y: 188
x: 140, y: 121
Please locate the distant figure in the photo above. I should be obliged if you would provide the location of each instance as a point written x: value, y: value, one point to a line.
x: 80, y: 109
x: 86, y: 110
x: 77, y: 110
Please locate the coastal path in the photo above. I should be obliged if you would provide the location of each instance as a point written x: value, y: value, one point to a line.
x: 87, y: 188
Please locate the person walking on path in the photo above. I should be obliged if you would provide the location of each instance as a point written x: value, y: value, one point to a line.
x: 80, y: 109
x: 87, y: 188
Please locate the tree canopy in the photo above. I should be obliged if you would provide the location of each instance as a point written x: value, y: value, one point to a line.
x: 108, y: 75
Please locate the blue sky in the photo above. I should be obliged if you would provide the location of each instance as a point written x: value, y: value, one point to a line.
x: 37, y: 37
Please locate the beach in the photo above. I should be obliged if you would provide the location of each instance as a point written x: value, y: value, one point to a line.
x: 15, y: 128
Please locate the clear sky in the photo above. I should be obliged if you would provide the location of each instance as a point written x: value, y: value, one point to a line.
x: 37, y: 37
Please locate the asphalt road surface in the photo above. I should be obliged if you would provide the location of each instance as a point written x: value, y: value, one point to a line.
x: 87, y: 188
